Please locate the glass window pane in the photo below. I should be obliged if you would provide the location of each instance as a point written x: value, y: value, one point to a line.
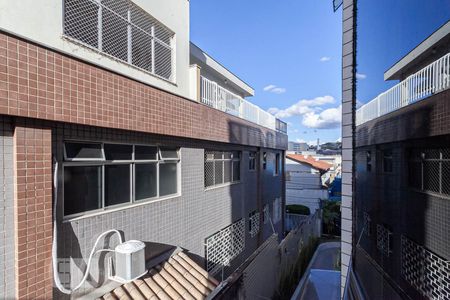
x: 169, y: 153
x: 145, y: 152
x: 117, y: 184
x: 168, y: 181
x: 236, y: 170
x: 218, y: 155
x: 82, y: 151
x: 218, y: 172
x: 236, y: 155
x: 82, y: 189
x: 227, y: 155
x: 118, y: 152
x: 145, y: 181
x: 227, y: 171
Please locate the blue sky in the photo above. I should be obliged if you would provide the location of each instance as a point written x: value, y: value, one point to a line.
x: 290, y: 48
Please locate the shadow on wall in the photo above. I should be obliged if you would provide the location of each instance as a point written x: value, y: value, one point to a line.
x: 386, y: 206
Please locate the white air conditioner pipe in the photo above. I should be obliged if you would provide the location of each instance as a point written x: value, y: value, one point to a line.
x: 55, y: 241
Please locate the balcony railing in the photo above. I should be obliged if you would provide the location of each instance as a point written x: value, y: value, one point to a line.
x: 432, y: 79
x: 222, y: 99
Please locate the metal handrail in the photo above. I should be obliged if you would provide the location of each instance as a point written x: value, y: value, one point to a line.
x: 430, y: 80
x: 222, y: 99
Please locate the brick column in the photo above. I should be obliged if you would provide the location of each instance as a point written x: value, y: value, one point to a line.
x: 33, y: 212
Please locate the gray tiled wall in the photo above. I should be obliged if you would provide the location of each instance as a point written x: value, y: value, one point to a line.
x: 183, y: 221
x: 7, y: 271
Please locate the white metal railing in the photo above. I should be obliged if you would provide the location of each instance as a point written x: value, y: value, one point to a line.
x: 430, y: 80
x: 222, y: 99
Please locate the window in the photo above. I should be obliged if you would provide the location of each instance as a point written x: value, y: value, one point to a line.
x: 429, y: 170
x: 266, y: 216
x: 276, y: 211
x: 252, y: 161
x: 122, y: 30
x: 368, y: 161
x: 222, y: 167
x: 277, y: 164
x: 97, y: 175
x: 264, y: 160
x: 387, y: 161
x: 253, y: 223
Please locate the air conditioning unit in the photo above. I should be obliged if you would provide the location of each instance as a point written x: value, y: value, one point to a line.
x: 130, y: 261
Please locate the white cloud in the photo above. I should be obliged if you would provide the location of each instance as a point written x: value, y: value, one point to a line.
x: 327, y: 119
x: 361, y: 76
x: 274, y: 89
x: 325, y: 58
x: 302, y: 107
x: 269, y: 87
x: 300, y: 141
x: 339, y: 140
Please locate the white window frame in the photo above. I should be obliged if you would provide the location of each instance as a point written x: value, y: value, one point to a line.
x: 103, y: 162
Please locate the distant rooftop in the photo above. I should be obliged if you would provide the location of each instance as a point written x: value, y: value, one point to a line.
x: 309, y: 160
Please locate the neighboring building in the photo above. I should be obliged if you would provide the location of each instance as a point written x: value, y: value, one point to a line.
x: 297, y: 147
x: 304, y: 181
x: 396, y: 192
x: 108, y: 112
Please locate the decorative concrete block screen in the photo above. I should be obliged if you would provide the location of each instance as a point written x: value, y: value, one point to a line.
x: 384, y: 242
x: 122, y: 30
x: 426, y: 272
x: 254, y: 223
x: 225, y: 245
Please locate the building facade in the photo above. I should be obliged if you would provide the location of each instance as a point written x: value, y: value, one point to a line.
x: 111, y: 119
x: 394, y: 234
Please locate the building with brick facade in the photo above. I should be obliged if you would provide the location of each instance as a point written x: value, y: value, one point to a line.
x: 111, y: 119
x: 395, y: 208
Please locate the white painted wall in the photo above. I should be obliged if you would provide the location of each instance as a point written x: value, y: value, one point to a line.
x: 42, y: 22
x: 303, y: 185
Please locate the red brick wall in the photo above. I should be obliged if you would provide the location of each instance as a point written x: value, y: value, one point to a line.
x: 40, y: 83
x: 33, y: 206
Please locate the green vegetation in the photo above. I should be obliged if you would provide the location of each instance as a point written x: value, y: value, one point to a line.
x: 331, y: 217
x: 290, y: 277
x: 298, y: 209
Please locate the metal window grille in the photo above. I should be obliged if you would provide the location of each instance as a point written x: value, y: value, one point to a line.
x: 425, y: 271
x: 429, y: 170
x: 225, y: 245
x: 367, y: 224
x: 252, y: 160
x: 254, y: 223
x: 384, y: 240
x: 124, y: 31
x: 222, y: 167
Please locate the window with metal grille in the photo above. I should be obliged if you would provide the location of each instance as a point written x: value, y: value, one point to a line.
x: 225, y: 245
x: 252, y: 161
x: 369, y: 161
x: 98, y: 176
x: 429, y: 170
x: 277, y: 164
x: 266, y: 214
x: 276, y: 217
x: 124, y: 31
x: 253, y: 223
x: 222, y: 167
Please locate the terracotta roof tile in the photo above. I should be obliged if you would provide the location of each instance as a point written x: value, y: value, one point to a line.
x: 308, y: 159
x: 177, y: 278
